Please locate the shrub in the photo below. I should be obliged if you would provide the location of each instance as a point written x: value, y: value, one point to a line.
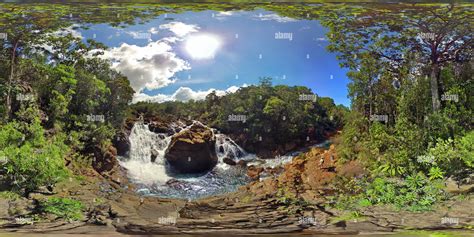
x: 415, y: 193
x: 453, y: 156
x: 65, y: 208
x: 30, y: 158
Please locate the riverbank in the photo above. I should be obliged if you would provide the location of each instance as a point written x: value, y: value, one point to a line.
x: 265, y: 206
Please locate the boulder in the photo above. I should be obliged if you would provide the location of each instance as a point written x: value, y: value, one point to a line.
x: 154, y: 154
x: 229, y: 161
x: 242, y: 163
x: 158, y: 126
x: 254, y: 172
x: 105, y: 160
x: 192, y: 150
x: 121, y: 143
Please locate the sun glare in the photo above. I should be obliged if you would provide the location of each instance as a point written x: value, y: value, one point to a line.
x: 202, y: 46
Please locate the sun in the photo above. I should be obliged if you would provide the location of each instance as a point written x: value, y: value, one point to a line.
x: 202, y: 46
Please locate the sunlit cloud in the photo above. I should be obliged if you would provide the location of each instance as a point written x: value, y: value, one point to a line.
x: 179, y: 28
x: 184, y: 94
x: 152, y: 66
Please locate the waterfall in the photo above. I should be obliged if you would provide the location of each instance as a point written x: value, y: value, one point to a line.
x: 226, y: 147
x: 153, y: 174
x: 153, y: 178
x: 144, y: 143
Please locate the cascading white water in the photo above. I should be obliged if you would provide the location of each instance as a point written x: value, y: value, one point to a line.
x: 154, y: 177
x: 143, y: 143
x: 226, y: 147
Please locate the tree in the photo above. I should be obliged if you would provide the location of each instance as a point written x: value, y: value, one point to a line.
x: 438, y: 34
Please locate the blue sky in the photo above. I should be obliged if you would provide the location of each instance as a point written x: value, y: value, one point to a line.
x: 162, y: 57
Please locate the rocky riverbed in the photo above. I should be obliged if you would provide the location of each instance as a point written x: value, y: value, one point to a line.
x: 265, y: 206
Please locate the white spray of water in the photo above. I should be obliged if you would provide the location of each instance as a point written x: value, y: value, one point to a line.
x: 143, y: 143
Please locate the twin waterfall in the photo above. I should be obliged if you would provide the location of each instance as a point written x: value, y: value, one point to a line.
x: 155, y: 178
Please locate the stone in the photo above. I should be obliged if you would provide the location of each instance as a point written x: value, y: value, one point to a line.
x: 242, y: 163
x: 229, y: 161
x: 105, y: 160
x: 254, y: 172
x: 121, y: 143
x: 4, y: 206
x: 192, y: 150
x: 154, y: 154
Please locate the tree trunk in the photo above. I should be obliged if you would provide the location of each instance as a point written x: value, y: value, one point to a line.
x: 434, y: 87
x: 10, y: 81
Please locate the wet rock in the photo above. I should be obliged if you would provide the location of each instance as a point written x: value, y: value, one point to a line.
x: 192, y: 150
x: 242, y: 163
x: 176, y: 184
x: 159, y: 127
x: 254, y: 172
x: 121, y: 143
x: 154, y: 154
x: 229, y: 161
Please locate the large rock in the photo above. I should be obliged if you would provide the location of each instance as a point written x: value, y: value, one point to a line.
x: 105, y: 160
x: 192, y: 150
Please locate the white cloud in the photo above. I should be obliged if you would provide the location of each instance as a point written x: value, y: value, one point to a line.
x: 152, y: 66
x: 225, y: 13
x: 139, y: 35
x: 179, y: 28
x: 274, y: 17
x: 183, y: 94
x: 321, y: 39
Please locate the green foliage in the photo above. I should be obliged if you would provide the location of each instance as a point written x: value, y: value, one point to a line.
x: 65, y: 208
x: 9, y: 195
x: 32, y: 160
x: 415, y: 193
x: 452, y: 156
x: 279, y: 114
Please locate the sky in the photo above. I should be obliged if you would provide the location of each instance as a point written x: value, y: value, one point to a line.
x: 186, y: 56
